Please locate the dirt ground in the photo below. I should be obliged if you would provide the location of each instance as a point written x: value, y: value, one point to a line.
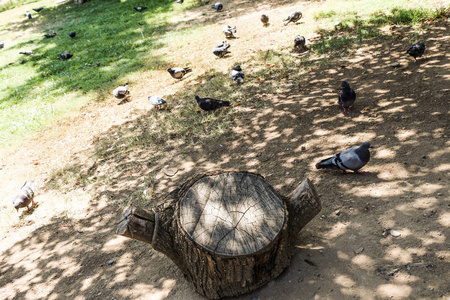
x: 345, y: 252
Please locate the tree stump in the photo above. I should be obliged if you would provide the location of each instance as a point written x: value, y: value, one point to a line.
x: 229, y: 232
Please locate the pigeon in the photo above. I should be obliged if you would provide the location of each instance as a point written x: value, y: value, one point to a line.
x: 178, y: 73
x: 2, y: 44
x: 209, y: 104
x: 416, y: 50
x: 27, y: 52
x: 179, y: 1
x: 38, y: 10
x: 50, y: 35
x: 24, y: 196
x: 217, y: 6
x: 121, y: 92
x: 222, y: 49
x: 237, y: 74
x: 299, y: 42
x: 140, y: 9
x: 72, y: 34
x: 352, y: 159
x: 265, y: 20
x: 156, y: 101
x: 28, y: 15
x: 229, y: 31
x: 294, y: 17
x: 347, y: 96
x: 65, y: 55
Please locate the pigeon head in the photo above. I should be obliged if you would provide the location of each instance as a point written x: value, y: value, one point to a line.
x: 197, y: 98
x: 345, y: 85
x: 366, y: 145
x: 237, y: 68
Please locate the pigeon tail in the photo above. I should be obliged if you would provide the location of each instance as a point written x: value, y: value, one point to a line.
x: 327, y: 163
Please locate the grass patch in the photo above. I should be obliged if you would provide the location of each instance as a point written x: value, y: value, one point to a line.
x: 113, y: 42
x: 324, y: 14
x: 355, y: 29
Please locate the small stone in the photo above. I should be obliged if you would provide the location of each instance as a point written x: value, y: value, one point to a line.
x: 395, y: 65
x: 394, y: 233
x: 303, y: 148
x: 111, y: 262
x: 337, y: 212
x: 359, y: 250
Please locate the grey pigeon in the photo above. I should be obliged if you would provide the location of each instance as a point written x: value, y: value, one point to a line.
x: 72, y: 34
x: 38, y: 10
x: 352, y: 159
x: 178, y: 73
x: 140, y: 8
x: 294, y: 17
x: 299, y: 42
x: 28, y: 15
x: 347, y: 96
x: 222, y: 49
x: 27, y: 52
x: 24, y: 196
x: 237, y: 74
x: 229, y: 31
x: 121, y: 92
x: 416, y: 50
x: 265, y: 19
x: 2, y: 44
x: 217, y: 6
x: 209, y: 104
x: 50, y: 35
x: 156, y: 101
x: 65, y: 56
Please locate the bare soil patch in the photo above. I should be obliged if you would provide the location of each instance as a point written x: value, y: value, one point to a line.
x: 345, y: 252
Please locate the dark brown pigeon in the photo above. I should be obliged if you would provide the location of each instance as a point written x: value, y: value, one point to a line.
x: 209, y: 104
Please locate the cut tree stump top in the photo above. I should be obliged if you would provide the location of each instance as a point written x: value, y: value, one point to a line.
x: 232, y: 213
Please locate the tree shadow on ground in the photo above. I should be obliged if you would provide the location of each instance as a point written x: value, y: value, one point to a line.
x: 403, y: 111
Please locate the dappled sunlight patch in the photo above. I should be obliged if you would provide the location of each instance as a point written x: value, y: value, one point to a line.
x: 392, y: 171
x: 427, y: 188
x: 404, y: 134
x: 433, y: 237
x: 379, y: 190
x: 148, y: 291
x: 384, y: 153
x: 337, y: 230
x: 113, y: 245
x: 364, y: 261
x: 398, y: 255
x: 423, y: 203
x: 444, y: 219
x: 394, y: 291
x: 344, y: 280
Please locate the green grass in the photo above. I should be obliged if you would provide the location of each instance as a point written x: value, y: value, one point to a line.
x: 113, y: 41
x: 358, y: 28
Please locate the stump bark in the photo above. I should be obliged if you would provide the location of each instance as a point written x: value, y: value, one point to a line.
x: 229, y: 232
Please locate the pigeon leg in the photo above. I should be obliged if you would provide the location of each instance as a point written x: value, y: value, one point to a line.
x: 28, y: 209
x: 344, y: 171
x: 32, y: 202
x: 361, y: 173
